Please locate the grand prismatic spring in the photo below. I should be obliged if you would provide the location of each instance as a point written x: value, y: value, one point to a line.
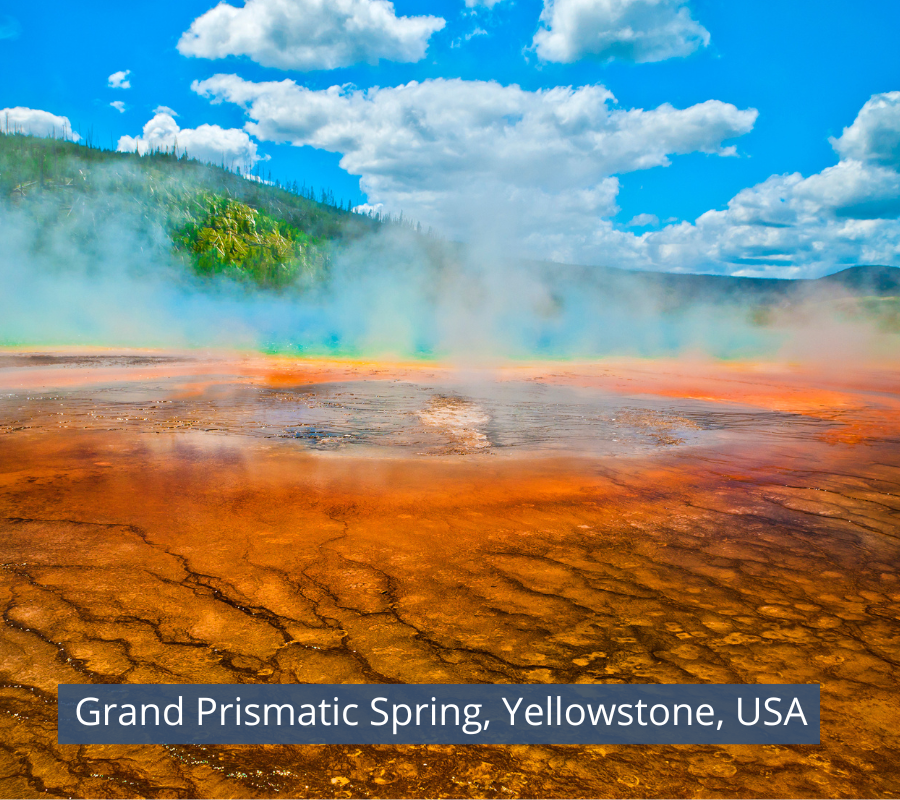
x: 174, y: 517
x: 481, y: 349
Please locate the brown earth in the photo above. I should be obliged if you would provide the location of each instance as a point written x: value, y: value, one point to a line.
x: 152, y: 531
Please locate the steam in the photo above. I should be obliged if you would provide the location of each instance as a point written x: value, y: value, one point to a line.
x: 104, y: 274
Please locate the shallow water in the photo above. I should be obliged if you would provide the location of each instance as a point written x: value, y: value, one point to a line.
x: 447, y: 417
x: 250, y: 520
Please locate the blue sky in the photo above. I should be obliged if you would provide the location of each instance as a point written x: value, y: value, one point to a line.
x: 702, y: 136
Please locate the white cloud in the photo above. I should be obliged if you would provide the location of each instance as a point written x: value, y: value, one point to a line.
x: 643, y: 221
x: 539, y: 169
x: 35, y: 122
x: 787, y: 226
x: 875, y: 133
x: 733, y: 242
x: 309, y: 34
x: 791, y: 226
x: 368, y: 208
x: 119, y: 80
x: 462, y: 156
x: 118, y: 105
x: 431, y: 135
x: 630, y: 30
x: 230, y: 147
x: 468, y: 37
x: 485, y: 3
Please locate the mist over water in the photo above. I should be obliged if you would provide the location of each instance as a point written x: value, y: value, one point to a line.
x: 392, y: 293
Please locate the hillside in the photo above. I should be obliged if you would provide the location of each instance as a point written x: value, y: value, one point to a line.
x: 879, y: 281
x: 217, y: 220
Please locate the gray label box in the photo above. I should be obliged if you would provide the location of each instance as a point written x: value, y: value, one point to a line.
x: 438, y: 714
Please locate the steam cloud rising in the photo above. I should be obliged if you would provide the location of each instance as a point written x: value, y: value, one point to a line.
x: 392, y: 292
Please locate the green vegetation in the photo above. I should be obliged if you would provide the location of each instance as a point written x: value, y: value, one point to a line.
x: 230, y: 237
x: 217, y: 221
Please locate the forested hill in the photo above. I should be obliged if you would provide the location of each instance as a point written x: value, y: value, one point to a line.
x: 221, y: 222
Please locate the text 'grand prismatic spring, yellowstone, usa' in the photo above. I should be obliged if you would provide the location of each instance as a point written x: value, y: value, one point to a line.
x: 542, y: 349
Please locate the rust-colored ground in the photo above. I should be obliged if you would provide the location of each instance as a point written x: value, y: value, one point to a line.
x: 160, y: 524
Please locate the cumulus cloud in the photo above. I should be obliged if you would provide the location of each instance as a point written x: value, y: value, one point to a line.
x: 787, y: 226
x: 369, y: 209
x: 119, y: 80
x: 476, y: 159
x: 630, y: 30
x: 230, y: 147
x: 541, y: 170
x: 643, y: 221
x: 35, y: 122
x: 739, y: 241
x: 118, y: 105
x: 436, y: 149
x: 791, y: 226
x: 309, y: 34
x: 485, y: 3
x: 875, y: 133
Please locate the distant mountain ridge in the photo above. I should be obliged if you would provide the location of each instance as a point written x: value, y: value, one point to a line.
x: 873, y: 279
x: 676, y: 289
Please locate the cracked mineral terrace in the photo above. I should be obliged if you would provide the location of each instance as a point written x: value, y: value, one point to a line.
x: 169, y: 518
